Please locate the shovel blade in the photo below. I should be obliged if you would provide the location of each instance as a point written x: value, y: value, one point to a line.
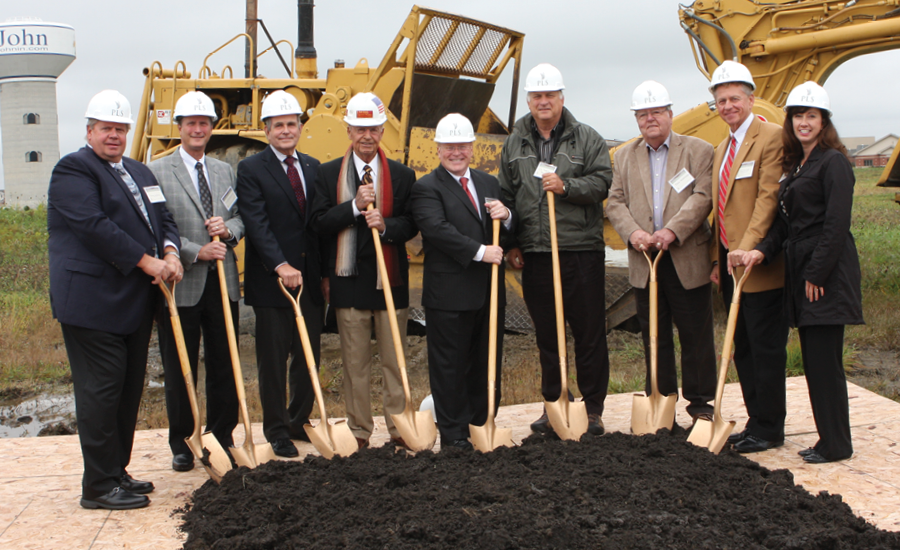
x: 251, y: 455
x: 210, y: 453
x: 712, y: 435
x: 652, y: 413
x: 488, y: 437
x: 332, y: 439
x: 416, y: 428
x: 567, y: 418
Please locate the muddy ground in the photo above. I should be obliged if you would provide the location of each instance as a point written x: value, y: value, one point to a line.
x: 611, y: 492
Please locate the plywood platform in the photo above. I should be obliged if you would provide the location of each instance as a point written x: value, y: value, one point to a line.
x: 40, y: 478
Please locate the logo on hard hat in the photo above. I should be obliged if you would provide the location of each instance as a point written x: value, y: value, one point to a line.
x: 118, y: 110
x: 455, y: 131
x: 378, y: 104
x: 650, y: 98
x: 364, y: 114
x: 285, y: 104
x: 724, y: 74
x: 542, y: 81
x: 809, y: 97
x: 200, y: 105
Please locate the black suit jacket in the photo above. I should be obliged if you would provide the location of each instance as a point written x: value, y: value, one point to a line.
x: 97, y: 236
x: 276, y: 233
x: 451, y: 235
x: 329, y: 218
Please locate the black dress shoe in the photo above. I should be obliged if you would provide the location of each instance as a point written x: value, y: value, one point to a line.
x: 183, y: 462
x: 285, y: 447
x: 463, y: 444
x: 815, y: 458
x: 738, y: 437
x: 806, y: 452
x: 542, y: 425
x: 753, y: 444
x: 117, y: 499
x: 595, y: 425
x: 134, y: 486
x: 299, y: 435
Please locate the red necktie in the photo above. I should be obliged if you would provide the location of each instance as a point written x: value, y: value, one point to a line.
x: 723, y: 190
x: 297, y: 184
x: 465, y: 185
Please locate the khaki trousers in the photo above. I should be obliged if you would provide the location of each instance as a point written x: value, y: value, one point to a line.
x: 355, y: 328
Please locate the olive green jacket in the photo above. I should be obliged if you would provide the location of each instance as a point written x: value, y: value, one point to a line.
x: 582, y: 161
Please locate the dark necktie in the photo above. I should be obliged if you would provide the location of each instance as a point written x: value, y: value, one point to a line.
x: 297, y: 184
x: 465, y: 185
x: 135, y: 191
x: 205, y: 195
x: 367, y: 175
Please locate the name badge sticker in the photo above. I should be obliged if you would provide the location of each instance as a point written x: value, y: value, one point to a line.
x: 544, y: 168
x: 229, y: 198
x: 681, y: 180
x: 155, y: 194
x: 746, y: 170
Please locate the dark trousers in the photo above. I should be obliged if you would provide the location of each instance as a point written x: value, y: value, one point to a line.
x: 822, y: 347
x: 760, y: 340
x: 691, y: 311
x: 458, y: 344
x: 108, y: 378
x: 583, y: 277
x: 277, y: 340
x: 206, y: 318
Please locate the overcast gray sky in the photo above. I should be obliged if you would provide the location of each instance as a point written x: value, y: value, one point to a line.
x: 603, y: 48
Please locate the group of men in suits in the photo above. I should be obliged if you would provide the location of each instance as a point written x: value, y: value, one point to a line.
x: 661, y: 196
x: 117, y: 228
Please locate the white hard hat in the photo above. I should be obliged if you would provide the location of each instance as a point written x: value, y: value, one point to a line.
x: 650, y: 94
x: 365, y: 109
x: 109, y: 106
x: 279, y: 103
x: 731, y: 71
x: 195, y: 104
x: 454, y: 128
x: 809, y: 94
x: 544, y: 78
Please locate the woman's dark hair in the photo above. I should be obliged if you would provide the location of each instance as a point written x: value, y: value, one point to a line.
x: 793, y: 150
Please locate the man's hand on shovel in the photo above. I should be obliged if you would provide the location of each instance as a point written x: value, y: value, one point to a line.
x: 168, y: 270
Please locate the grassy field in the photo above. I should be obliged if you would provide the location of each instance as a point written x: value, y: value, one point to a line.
x: 32, y: 355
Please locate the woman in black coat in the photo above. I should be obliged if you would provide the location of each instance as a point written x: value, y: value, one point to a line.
x: 822, y: 276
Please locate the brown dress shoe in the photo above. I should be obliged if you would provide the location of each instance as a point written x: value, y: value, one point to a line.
x: 595, y: 425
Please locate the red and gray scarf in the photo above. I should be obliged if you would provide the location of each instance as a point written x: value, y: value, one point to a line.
x: 345, y: 265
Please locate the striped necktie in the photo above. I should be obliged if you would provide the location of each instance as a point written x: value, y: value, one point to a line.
x: 723, y: 190
x: 135, y: 191
x: 203, y: 185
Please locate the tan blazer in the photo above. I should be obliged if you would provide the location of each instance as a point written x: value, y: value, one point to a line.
x: 750, y: 202
x: 630, y: 206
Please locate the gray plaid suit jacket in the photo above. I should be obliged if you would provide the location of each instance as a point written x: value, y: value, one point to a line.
x: 183, y: 202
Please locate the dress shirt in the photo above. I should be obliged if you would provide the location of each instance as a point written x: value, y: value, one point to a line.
x: 658, y: 159
x: 191, y: 164
x: 284, y: 167
x: 739, y: 137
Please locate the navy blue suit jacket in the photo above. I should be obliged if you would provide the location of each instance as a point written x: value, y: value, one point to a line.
x: 276, y: 233
x: 97, y: 236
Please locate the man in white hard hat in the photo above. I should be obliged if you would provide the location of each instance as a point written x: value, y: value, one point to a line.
x: 275, y: 189
x: 345, y: 187
x: 111, y: 240
x: 549, y: 150
x: 658, y: 203
x: 747, y: 169
x: 201, y: 197
x: 453, y: 207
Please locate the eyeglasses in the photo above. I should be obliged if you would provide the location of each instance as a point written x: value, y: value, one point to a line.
x: 457, y: 148
x: 642, y: 115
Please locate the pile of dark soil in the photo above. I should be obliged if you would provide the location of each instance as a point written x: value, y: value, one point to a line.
x: 611, y: 492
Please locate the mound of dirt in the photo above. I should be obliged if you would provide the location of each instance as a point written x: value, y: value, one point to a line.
x: 613, y: 492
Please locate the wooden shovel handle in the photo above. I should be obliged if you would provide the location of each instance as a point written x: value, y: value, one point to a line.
x: 557, y: 297
x: 654, y: 323
x: 392, y: 312
x: 492, y: 336
x: 178, y: 333
x: 729, y: 339
x: 307, y: 348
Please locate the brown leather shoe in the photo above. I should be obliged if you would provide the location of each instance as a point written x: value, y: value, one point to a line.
x: 363, y: 443
x: 595, y: 425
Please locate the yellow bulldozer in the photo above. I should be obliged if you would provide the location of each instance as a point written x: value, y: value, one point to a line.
x: 441, y: 63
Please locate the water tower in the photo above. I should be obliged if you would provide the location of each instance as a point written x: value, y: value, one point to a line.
x: 32, y: 54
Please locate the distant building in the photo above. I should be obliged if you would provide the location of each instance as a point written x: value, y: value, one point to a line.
x: 32, y: 54
x: 854, y: 144
x: 877, y: 154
